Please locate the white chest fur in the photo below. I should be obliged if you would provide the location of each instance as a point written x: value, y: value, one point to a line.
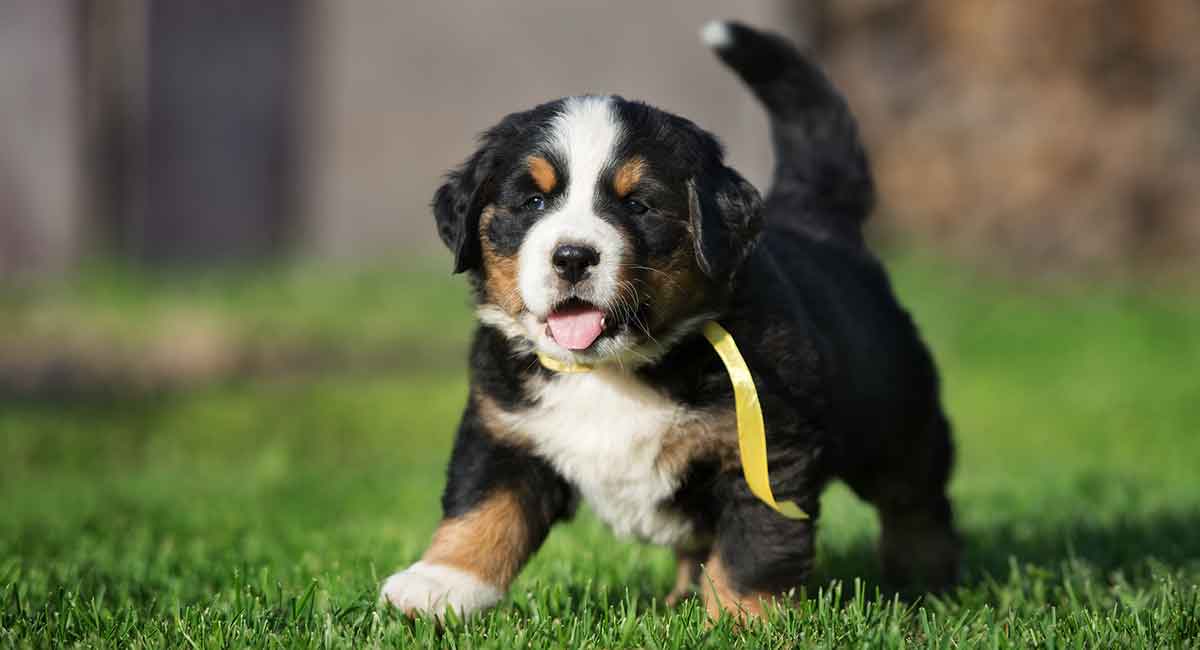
x: 603, y: 431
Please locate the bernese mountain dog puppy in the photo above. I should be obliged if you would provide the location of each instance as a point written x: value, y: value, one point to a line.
x: 603, y: 233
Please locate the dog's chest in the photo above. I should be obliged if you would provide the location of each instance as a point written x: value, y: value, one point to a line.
x: 604, y: 432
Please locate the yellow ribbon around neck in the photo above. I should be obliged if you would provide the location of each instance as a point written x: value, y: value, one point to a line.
x: 752, y: 435
x: 550, y: 363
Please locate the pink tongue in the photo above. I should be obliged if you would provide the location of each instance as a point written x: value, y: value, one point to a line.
x: 576, y: 329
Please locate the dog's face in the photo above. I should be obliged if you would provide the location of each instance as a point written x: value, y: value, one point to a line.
x: 597, y: 229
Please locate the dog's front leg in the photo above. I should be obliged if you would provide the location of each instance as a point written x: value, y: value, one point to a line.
x: 758, y: 559
x: 499, y: 504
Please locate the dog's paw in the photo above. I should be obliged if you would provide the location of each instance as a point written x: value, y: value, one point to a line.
x: 430, y: 589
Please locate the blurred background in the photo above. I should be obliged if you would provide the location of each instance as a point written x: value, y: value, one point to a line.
x: 1059, y: 136
x: 170, y: 136
x: 220, y: 284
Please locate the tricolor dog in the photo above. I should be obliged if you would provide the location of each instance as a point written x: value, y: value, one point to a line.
x: 601, y: 234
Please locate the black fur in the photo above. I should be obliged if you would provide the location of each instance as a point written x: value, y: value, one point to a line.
x: 474, y: 184
x: 847, y: 388
x: 724, y: 213
x: 480, y: 464
x: 826, y: 190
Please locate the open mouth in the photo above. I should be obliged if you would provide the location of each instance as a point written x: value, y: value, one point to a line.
x: 576, y: 324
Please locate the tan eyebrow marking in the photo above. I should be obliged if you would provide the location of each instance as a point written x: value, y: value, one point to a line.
x: 628, y: 175
x: 543, y: 173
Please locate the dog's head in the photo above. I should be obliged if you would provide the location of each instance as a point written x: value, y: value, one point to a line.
x: 597, y: 229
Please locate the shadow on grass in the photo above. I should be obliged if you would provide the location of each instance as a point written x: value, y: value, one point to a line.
x: 1128, y: 546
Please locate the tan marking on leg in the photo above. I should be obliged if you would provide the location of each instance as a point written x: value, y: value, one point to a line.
x: 687, y: 574
x: 628, y: 175
x: 498, y: 421
x: 704, y: 435
x: 543, y: 174
x: 720, y: 594
x: 500, y: 272
x: 491, y: 541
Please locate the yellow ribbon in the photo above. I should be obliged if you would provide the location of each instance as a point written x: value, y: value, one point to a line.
x: 752, y: 436
x: 550, y: 363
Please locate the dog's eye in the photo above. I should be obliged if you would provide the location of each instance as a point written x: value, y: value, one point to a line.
x: 635, y: 206
x: 535, y: 202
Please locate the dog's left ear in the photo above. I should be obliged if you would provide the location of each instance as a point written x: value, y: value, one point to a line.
x: 458, y: 203
x: 726, y: 215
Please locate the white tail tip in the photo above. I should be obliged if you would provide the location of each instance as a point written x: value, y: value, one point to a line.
x: 716, y: 34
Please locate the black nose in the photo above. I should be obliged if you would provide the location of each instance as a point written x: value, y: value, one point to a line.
x: 572, y: 261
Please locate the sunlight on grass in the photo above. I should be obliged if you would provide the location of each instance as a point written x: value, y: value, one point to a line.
x: 264, y: 509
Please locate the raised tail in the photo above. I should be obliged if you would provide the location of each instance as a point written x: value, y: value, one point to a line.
x: 822, y: 176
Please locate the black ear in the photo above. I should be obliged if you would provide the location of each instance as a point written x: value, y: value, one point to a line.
x: 726, y: 215
x: 457, y: 204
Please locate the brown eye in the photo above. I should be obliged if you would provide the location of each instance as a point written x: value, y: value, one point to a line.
x: 635, y: 206
x: 535, y: 202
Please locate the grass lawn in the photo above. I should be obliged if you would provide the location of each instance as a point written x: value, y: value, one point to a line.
x: 265, y: 510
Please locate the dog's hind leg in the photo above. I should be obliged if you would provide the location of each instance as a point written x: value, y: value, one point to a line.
x: 688, y: 571
x: 918, y: 546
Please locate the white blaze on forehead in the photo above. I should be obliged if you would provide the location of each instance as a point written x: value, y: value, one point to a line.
x: 585, y: 135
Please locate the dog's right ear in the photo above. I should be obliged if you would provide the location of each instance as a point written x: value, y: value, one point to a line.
x: 457, y: 204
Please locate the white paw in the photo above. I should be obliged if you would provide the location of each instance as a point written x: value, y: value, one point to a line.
x: 425, y: 588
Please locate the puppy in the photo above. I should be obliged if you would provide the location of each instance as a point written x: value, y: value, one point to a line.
x: 603, y: 233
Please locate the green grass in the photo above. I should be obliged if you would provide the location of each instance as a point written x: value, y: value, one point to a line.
x: 265, y: 510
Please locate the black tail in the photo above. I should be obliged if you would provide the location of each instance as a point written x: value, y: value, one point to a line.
x: 821, y: 171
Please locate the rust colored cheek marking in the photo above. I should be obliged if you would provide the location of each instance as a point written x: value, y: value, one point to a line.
x: 543, y: 174
x: 500, y: 272
x: 628, y: 175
